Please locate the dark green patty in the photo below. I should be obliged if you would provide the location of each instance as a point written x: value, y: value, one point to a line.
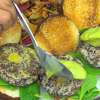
x: 18, y: 64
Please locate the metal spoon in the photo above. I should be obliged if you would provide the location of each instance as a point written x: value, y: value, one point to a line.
x: 47, y: 60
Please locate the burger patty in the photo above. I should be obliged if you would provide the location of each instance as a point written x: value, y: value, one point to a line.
x: 91, y: 53
x: 60, y: 86
x: 18, y: 64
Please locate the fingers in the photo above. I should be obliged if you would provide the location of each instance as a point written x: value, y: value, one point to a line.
x: 7, y: 14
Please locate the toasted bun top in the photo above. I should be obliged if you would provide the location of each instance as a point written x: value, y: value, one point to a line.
x: 82, y: 12
x: 58, y: 35
x: 12, y: 35
x: 98, y: 12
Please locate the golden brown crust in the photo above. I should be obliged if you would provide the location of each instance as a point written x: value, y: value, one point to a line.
x: 98, y: 12
x: 60, y: 34
x: 12, y: 35
x: 82, y: 12
x: 42, y: 42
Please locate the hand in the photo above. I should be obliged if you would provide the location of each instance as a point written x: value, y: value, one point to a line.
x: 7, y: 14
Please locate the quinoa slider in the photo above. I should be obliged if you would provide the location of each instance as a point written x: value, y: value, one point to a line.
x: 91, y: 53
x: 61, y: 86
x: 18, y: 65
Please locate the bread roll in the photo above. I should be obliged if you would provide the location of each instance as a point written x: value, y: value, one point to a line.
x: 12, y: 35
x: 58, y: 35
x: 83, y: 12
x: 98, y: 12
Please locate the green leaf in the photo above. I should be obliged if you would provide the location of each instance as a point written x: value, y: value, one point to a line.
x: 76, y: 95
x: 88, y: 89
x: 92, y: 36
x: 83, y: 30
x: 95, y: 42
x: 88, y: 67
x: 88, y: 84
x: 30, y: 92
x: 92, y: 94
x: 77, y: 69
x: 6, y: 85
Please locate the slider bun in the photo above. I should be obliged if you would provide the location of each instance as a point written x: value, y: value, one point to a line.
x: 84, y: 13
x: 98, y: 12
x: 58, y: 35
x: 12, y: 35
x: 6, y: 94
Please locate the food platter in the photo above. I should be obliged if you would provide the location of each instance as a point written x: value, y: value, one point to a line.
x: 70, y: 31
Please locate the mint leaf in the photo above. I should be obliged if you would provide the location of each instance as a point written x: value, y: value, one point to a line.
x: 88, y: 84
x: 30, y: 92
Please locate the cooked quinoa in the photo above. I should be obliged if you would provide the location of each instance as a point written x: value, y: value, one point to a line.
x: 18, y: 64
x: 60, y: 86
x: 92, y: 54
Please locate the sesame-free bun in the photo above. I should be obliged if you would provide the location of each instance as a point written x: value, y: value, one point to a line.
x: 12, y: 35
x: 58, y: 35
x: 84, y: 13
x: 98, y: 12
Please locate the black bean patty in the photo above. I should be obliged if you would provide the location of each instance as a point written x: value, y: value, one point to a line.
x: 18, y: 64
